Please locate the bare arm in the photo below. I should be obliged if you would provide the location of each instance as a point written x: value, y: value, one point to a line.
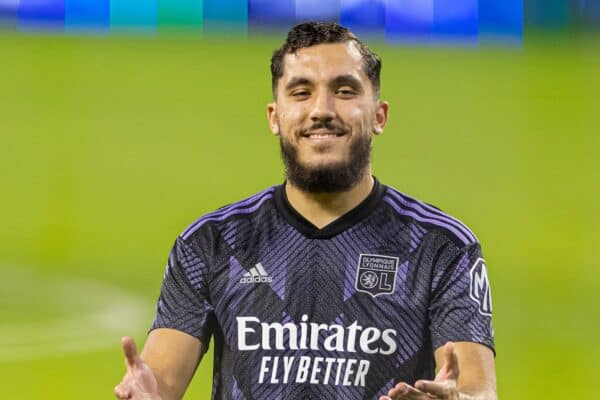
x: 477, y: 371
x: 466, y: 371
x: 164, y: 368
x: 173, y: 356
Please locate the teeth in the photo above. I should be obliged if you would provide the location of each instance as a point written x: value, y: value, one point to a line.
x: 322, y: 135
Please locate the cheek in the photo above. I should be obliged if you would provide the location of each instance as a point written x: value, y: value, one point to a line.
x: 358, y: 117
x: 290, y: 119
x: 294, y: 112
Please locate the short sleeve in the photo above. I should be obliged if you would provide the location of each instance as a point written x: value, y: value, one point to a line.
x: 184, y: 302
x: 461, y: 306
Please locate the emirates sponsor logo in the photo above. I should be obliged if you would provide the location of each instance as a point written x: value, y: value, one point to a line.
x: 255, y: 335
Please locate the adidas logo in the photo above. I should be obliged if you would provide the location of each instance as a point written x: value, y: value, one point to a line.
x: 257, y: 274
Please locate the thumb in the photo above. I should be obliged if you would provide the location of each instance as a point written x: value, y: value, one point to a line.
x: 451, y: 361
x: 132, y: 359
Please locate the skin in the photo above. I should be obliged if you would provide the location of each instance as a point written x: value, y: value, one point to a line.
x: 321, y: 84
x: 164, y: 368
x: 326, y: 83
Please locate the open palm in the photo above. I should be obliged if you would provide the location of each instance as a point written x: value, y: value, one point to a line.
x: 139, y: 382
x: 442, y: 387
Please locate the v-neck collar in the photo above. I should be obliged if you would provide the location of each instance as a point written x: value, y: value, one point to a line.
x: 337, y: 226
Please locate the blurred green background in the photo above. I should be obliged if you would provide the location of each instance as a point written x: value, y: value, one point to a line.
x: 111, y: 146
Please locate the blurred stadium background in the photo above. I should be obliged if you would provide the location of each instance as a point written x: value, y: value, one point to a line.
x: 124, y: 120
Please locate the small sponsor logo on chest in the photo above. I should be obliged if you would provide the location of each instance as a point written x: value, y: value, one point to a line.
x: 256, y: 274
x: 376, y: 274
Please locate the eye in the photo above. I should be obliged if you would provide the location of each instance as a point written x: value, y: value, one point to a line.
x: 300, y: 93
x: 346, y: 92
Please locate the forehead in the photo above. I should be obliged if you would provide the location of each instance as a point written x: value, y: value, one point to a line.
x: 324, y: 61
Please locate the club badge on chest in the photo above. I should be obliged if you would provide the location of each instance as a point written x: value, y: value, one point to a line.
x: 376, y: 274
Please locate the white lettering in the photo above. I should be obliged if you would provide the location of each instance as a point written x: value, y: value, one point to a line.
x: 303, y: 333
x: 329, y: 362
x: 315, y: 370
x: 314, y: 334
x: 340, y: 363
x: 349, y: 372
x: 287, y: 368
x: 252, y: 334
x: 274, y: 371
x: 385, y: 285
x: 361, y: 373
x: 389, y: 338
x: 243, y: 330
x: 335, y: 342
x: 367, y: 337
x: 278, y: 329
x: 481, y: 281
x: 303, y: 369
x: 352, y: 331
x: 263, y: 369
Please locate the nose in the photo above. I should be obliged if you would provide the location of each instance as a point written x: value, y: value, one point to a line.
x: 323, y: 109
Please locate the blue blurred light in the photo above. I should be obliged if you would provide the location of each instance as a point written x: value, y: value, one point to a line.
x: 41, y: 14
x: 317, y: 10
x: 588, y: 13
x: 271, y: 14
x: 186, y: 14
x: 500, y: 19
x: 363, y: 17
x: 9, y: 11
x: 134, y: 14
x: 456, y: 19
x: 553, y: 14
x: 223, y: 16
x: 407, y: 20
x: 87, y: 14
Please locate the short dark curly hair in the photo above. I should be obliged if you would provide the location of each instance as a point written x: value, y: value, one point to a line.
x: 313, y: 33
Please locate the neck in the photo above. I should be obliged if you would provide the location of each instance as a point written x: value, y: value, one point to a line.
x: 323, y: 208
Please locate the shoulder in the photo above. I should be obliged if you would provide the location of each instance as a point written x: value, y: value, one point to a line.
x: 247, y: 206
x: 429, y: 217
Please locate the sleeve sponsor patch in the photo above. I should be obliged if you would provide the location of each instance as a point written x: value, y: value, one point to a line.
x: 479, y: 289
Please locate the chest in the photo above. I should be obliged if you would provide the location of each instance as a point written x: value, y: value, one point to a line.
x: 363, y: 276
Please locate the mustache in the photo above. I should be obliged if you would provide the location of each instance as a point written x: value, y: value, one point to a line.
x: 321, y: 125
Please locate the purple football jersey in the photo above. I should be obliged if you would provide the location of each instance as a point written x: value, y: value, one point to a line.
x: 342, y: 312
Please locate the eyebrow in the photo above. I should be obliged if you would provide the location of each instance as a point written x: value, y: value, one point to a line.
x: 297, y: 81
x: 349, y: 80
x: 340, y: 80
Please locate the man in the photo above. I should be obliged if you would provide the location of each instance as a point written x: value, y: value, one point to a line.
x: 331, y: 285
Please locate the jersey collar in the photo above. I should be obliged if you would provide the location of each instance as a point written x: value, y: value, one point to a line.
x: 344, y: 222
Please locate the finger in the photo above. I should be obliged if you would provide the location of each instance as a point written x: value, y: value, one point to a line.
x: 122, y: 391
x: 404, y: 391
x: 449, y: 353
x: 132, y: 358
x: 434, y: 388
x: 449, y: 364
x: 451, y: 361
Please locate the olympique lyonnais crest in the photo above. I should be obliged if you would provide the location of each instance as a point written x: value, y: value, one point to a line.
x: 479, y: 289
x: 376, y: 274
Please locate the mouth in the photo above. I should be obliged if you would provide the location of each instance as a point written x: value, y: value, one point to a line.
x: 322, y: 134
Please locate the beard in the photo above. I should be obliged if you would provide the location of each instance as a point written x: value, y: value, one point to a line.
x: 340, y: 176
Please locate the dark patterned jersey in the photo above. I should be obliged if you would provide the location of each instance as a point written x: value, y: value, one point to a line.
x: 346, y: 311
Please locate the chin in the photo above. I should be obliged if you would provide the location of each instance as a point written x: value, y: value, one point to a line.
x: 324, y: 158
x: 325, y: 163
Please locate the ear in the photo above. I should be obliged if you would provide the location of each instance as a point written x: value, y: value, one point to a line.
x: 272, y: 117
x: 381, y: 116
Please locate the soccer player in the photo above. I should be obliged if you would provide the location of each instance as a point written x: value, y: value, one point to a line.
x: 331, y: 285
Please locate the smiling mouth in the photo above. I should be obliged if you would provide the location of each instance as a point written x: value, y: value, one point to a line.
x: 322, y: 134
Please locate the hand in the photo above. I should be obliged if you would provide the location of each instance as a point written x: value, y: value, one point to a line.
x: 139, y: 382
x: 443, y: 387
